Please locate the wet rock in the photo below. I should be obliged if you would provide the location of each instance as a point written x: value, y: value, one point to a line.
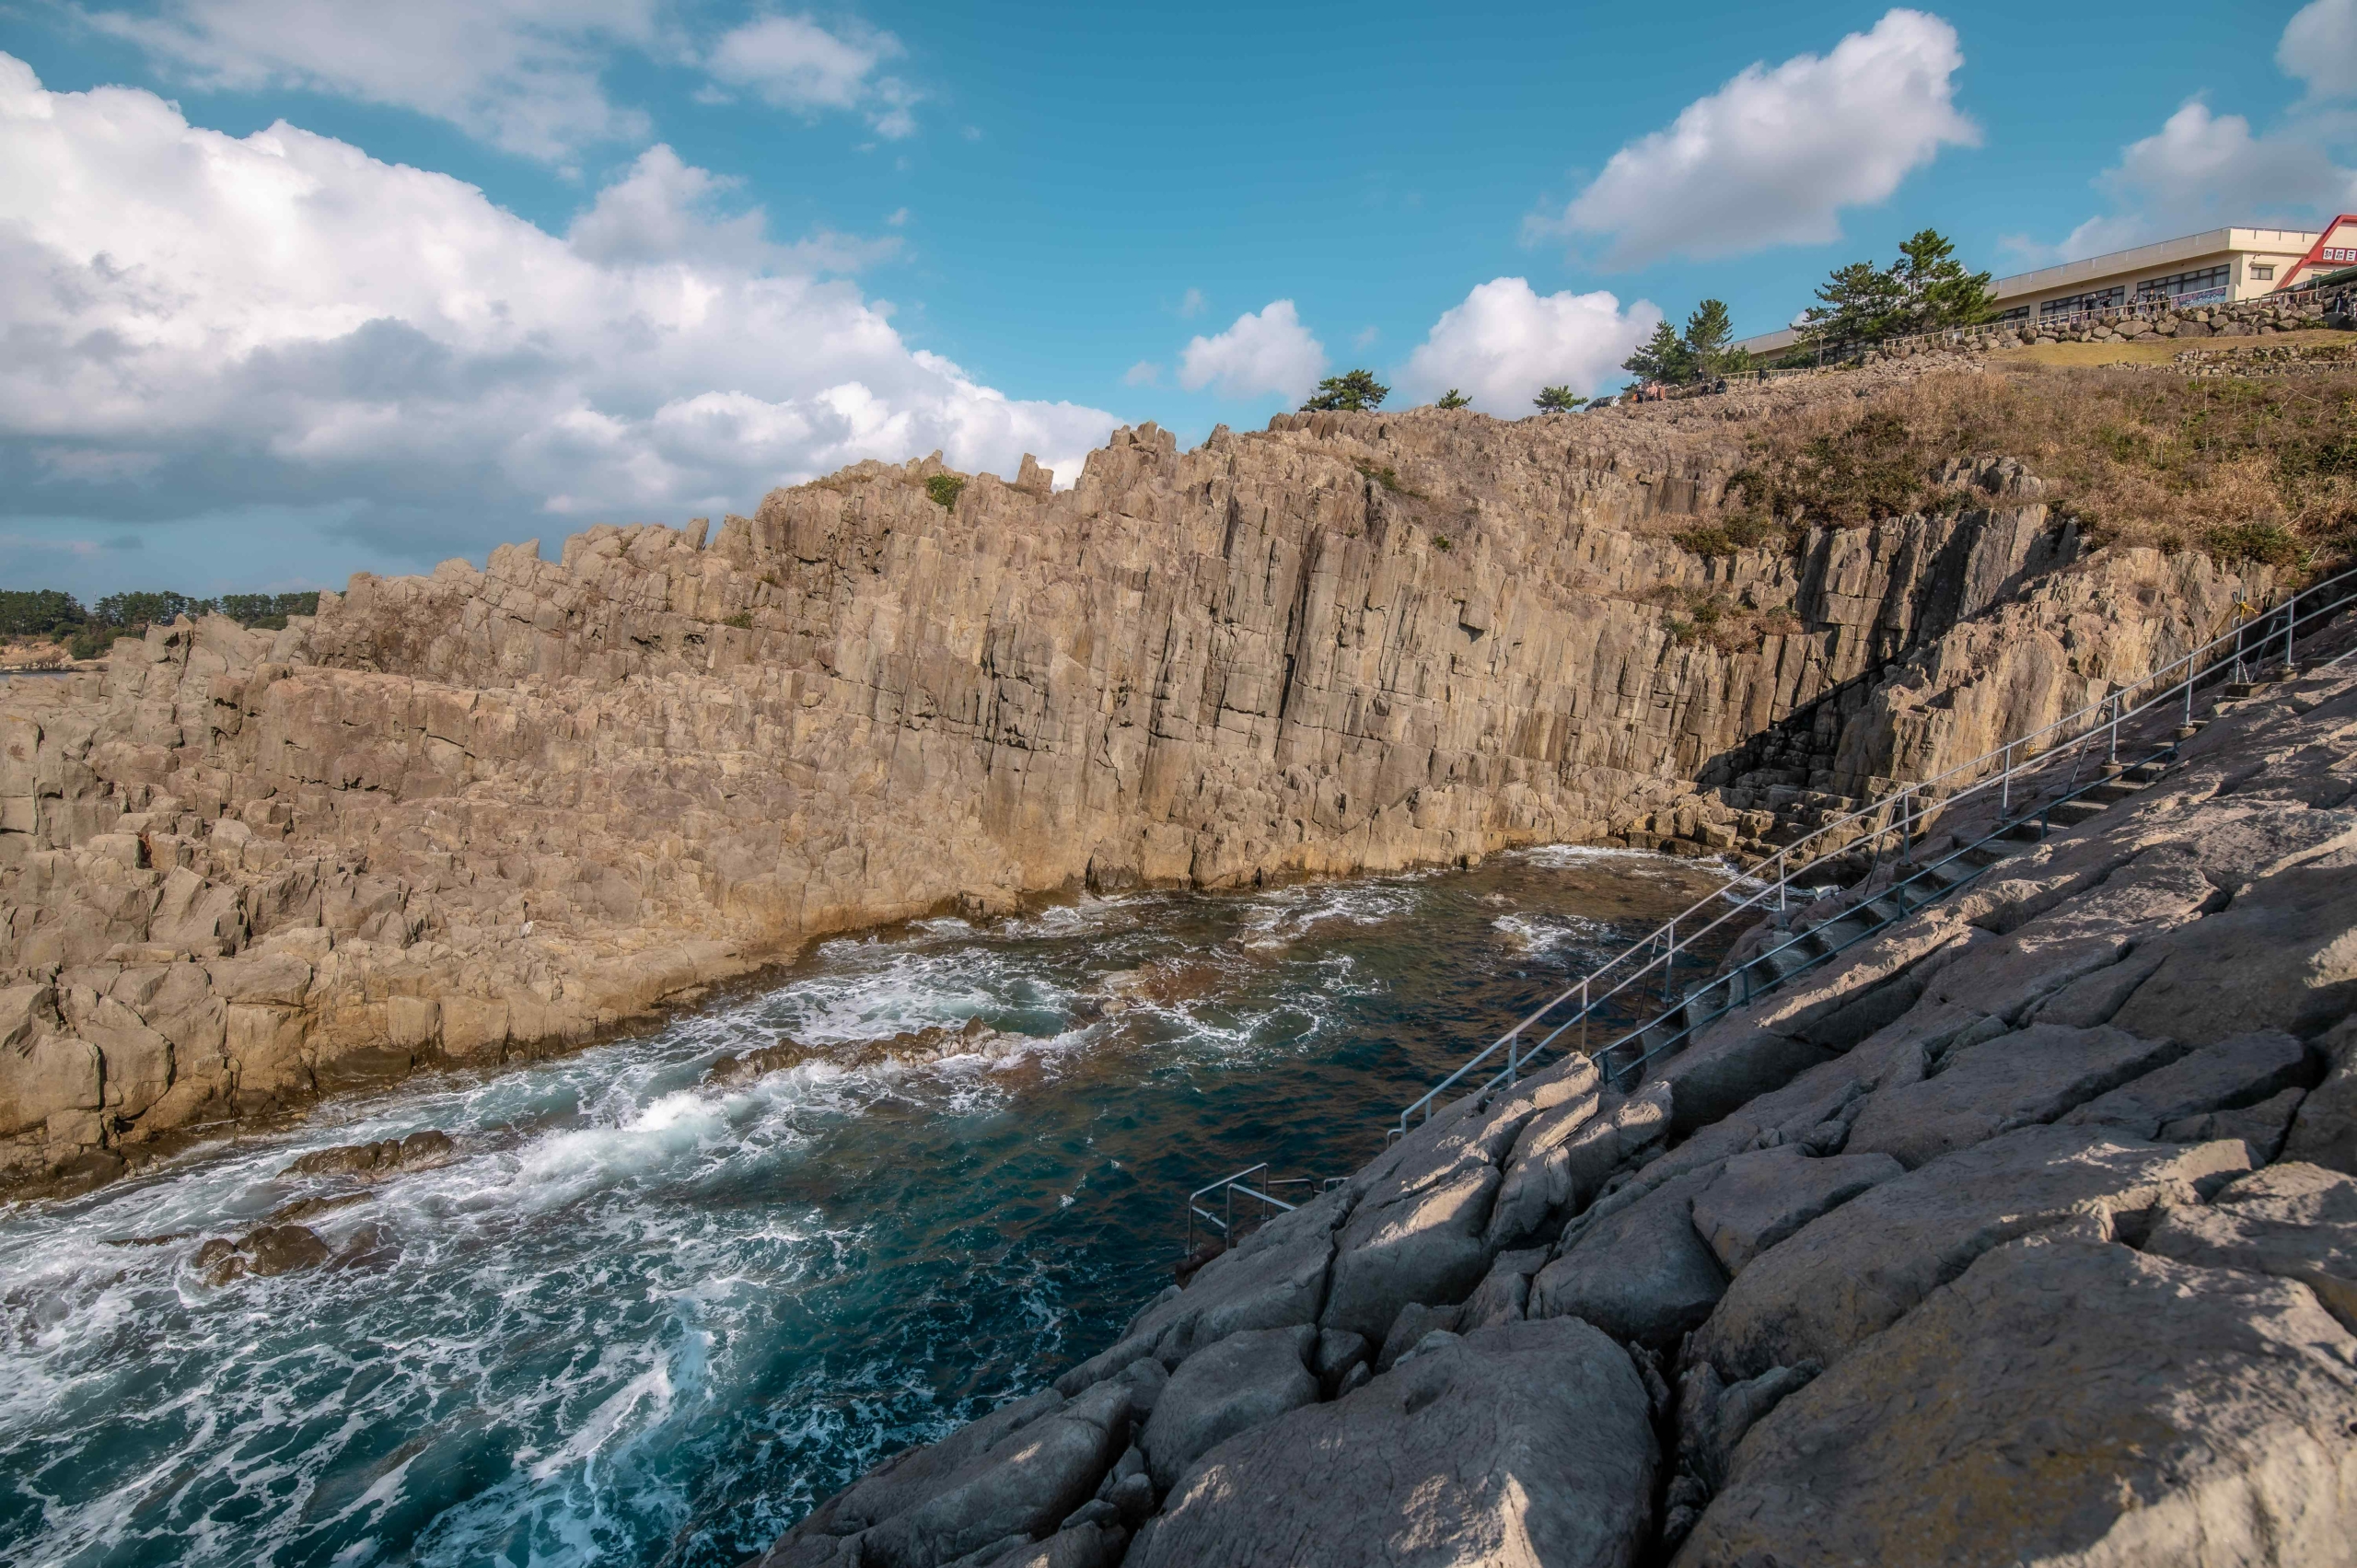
x: 1758, y: 1200
x: 1244, y: 1380
x: 2024, y: 1078
x: 1640, y: 1274
x: 1523, y: 1443
x: 2061, y: 1401
x: 418, y: 1151
x: 2293, y: 1221
x: 283, y: 1250
x: 1861, y: 1267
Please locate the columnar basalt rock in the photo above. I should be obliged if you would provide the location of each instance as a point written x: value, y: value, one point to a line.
x: 1982, y: 1285
x: 476, y: 814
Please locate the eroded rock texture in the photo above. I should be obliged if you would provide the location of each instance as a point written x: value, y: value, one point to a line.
x: 2057, y: 1264
x: 478, y: 813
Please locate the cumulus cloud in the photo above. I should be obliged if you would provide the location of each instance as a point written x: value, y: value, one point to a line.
x: 793, y: 62
x: 523, y: 74
x: 1145, y: 373
x: 1773, y: 156
x: 2319, y: 47
x: 2203, y: 170
x: 1506, y: 342
x: 1265, y: 351
x: 198, y: 321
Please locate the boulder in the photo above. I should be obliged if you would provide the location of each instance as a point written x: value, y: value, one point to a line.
x: 2325, y: 1130
x: 1275, y: 1279
x: 1024, y: 1485
x: 2279, y: 958
x: 2227, y: 1076
x: 1244, y: 1380
x: 1525, y: 1443
x: 1503, y: 1293
x: 418, y: 1151
x: 2293, y: 1221
x: 1424, y: 1246
x: 1411, y: 1327
x: 1758, y: 1200
x: 1562, y: 1159
x: 2021, y: 1079
x: 1639, y: 1273
x: 2061, y: 1401
x: 1861, y: 1268
x: 2262, y: 1128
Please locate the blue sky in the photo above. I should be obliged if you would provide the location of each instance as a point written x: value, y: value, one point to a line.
x: 330, y: 287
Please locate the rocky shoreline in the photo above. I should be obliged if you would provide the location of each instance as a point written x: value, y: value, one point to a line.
x: 2025, y: 1233
x: 475, y: 816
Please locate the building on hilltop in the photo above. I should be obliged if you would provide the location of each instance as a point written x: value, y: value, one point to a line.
x: 2211, y: 268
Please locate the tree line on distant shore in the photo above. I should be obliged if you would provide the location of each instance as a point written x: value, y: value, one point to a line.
x: 86, y: 631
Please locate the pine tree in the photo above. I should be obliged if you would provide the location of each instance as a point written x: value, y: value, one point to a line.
x: 1452, y: 398
x: 1354, y: 391
x: 1665, y: 357
x: 1940, y: 293
x: 1861, y: 302
x: 1556, y: 399
x: 1708, y: 332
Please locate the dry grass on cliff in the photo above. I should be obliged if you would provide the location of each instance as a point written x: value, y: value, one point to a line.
x: 2246, y: 469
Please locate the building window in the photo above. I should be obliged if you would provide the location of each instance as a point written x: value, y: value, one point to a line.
x: 2207, y: 282
x: 2093, y: 299
x: 2262, y: 271
x: 2018, y: 313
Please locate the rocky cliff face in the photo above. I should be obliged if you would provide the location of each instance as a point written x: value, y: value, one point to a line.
x: 2027, y: 1233
x: 478, y: 813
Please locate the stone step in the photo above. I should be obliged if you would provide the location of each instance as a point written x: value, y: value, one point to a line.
x: 2117, y: 790
x: 2070, y: 813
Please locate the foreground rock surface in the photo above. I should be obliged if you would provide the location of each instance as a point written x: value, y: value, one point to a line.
x: 2056, y: 1262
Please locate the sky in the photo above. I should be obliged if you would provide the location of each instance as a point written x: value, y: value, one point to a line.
x: 291, y: 290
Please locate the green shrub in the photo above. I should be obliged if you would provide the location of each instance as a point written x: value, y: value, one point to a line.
x: 742, y: 620
x: 1440, y: 542
x: 943, y: 488
x: 2268, y: 544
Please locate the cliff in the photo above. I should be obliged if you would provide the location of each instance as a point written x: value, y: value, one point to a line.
x: 2026, y: 1233
x: 478, y: 814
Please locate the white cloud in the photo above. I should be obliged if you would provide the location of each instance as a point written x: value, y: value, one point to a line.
x: 2201, y: 171
x: 198, y: 321
x: 1264, y: 352
x: 1506, y: 342
x: 522, y: 73
x: 1191, y: 304
x: 1145, y: 373
x: 1773, y: 156
x: 666, y: 210
x: 2319, y: 47
x: 793, y: 62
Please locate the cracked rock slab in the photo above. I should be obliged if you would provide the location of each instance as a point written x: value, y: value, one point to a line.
x: 1863, y: 1267
x: 2063, y: 1403
x: 2022, y: 1079
x: 1760, y: 1199
x: 1522, y: 1443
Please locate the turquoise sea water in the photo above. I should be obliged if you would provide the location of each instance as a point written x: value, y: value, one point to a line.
x: 647, y: 1318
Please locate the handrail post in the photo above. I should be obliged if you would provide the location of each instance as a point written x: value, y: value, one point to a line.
x: 1670, y: 959
x: 2114, y: 757
x: 1584, y: 1016
x: 2005, y: 781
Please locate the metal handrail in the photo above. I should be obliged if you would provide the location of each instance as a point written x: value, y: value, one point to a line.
x: 2005, y: 829
x: 1907, y: 809
x: 1229, y: 1186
